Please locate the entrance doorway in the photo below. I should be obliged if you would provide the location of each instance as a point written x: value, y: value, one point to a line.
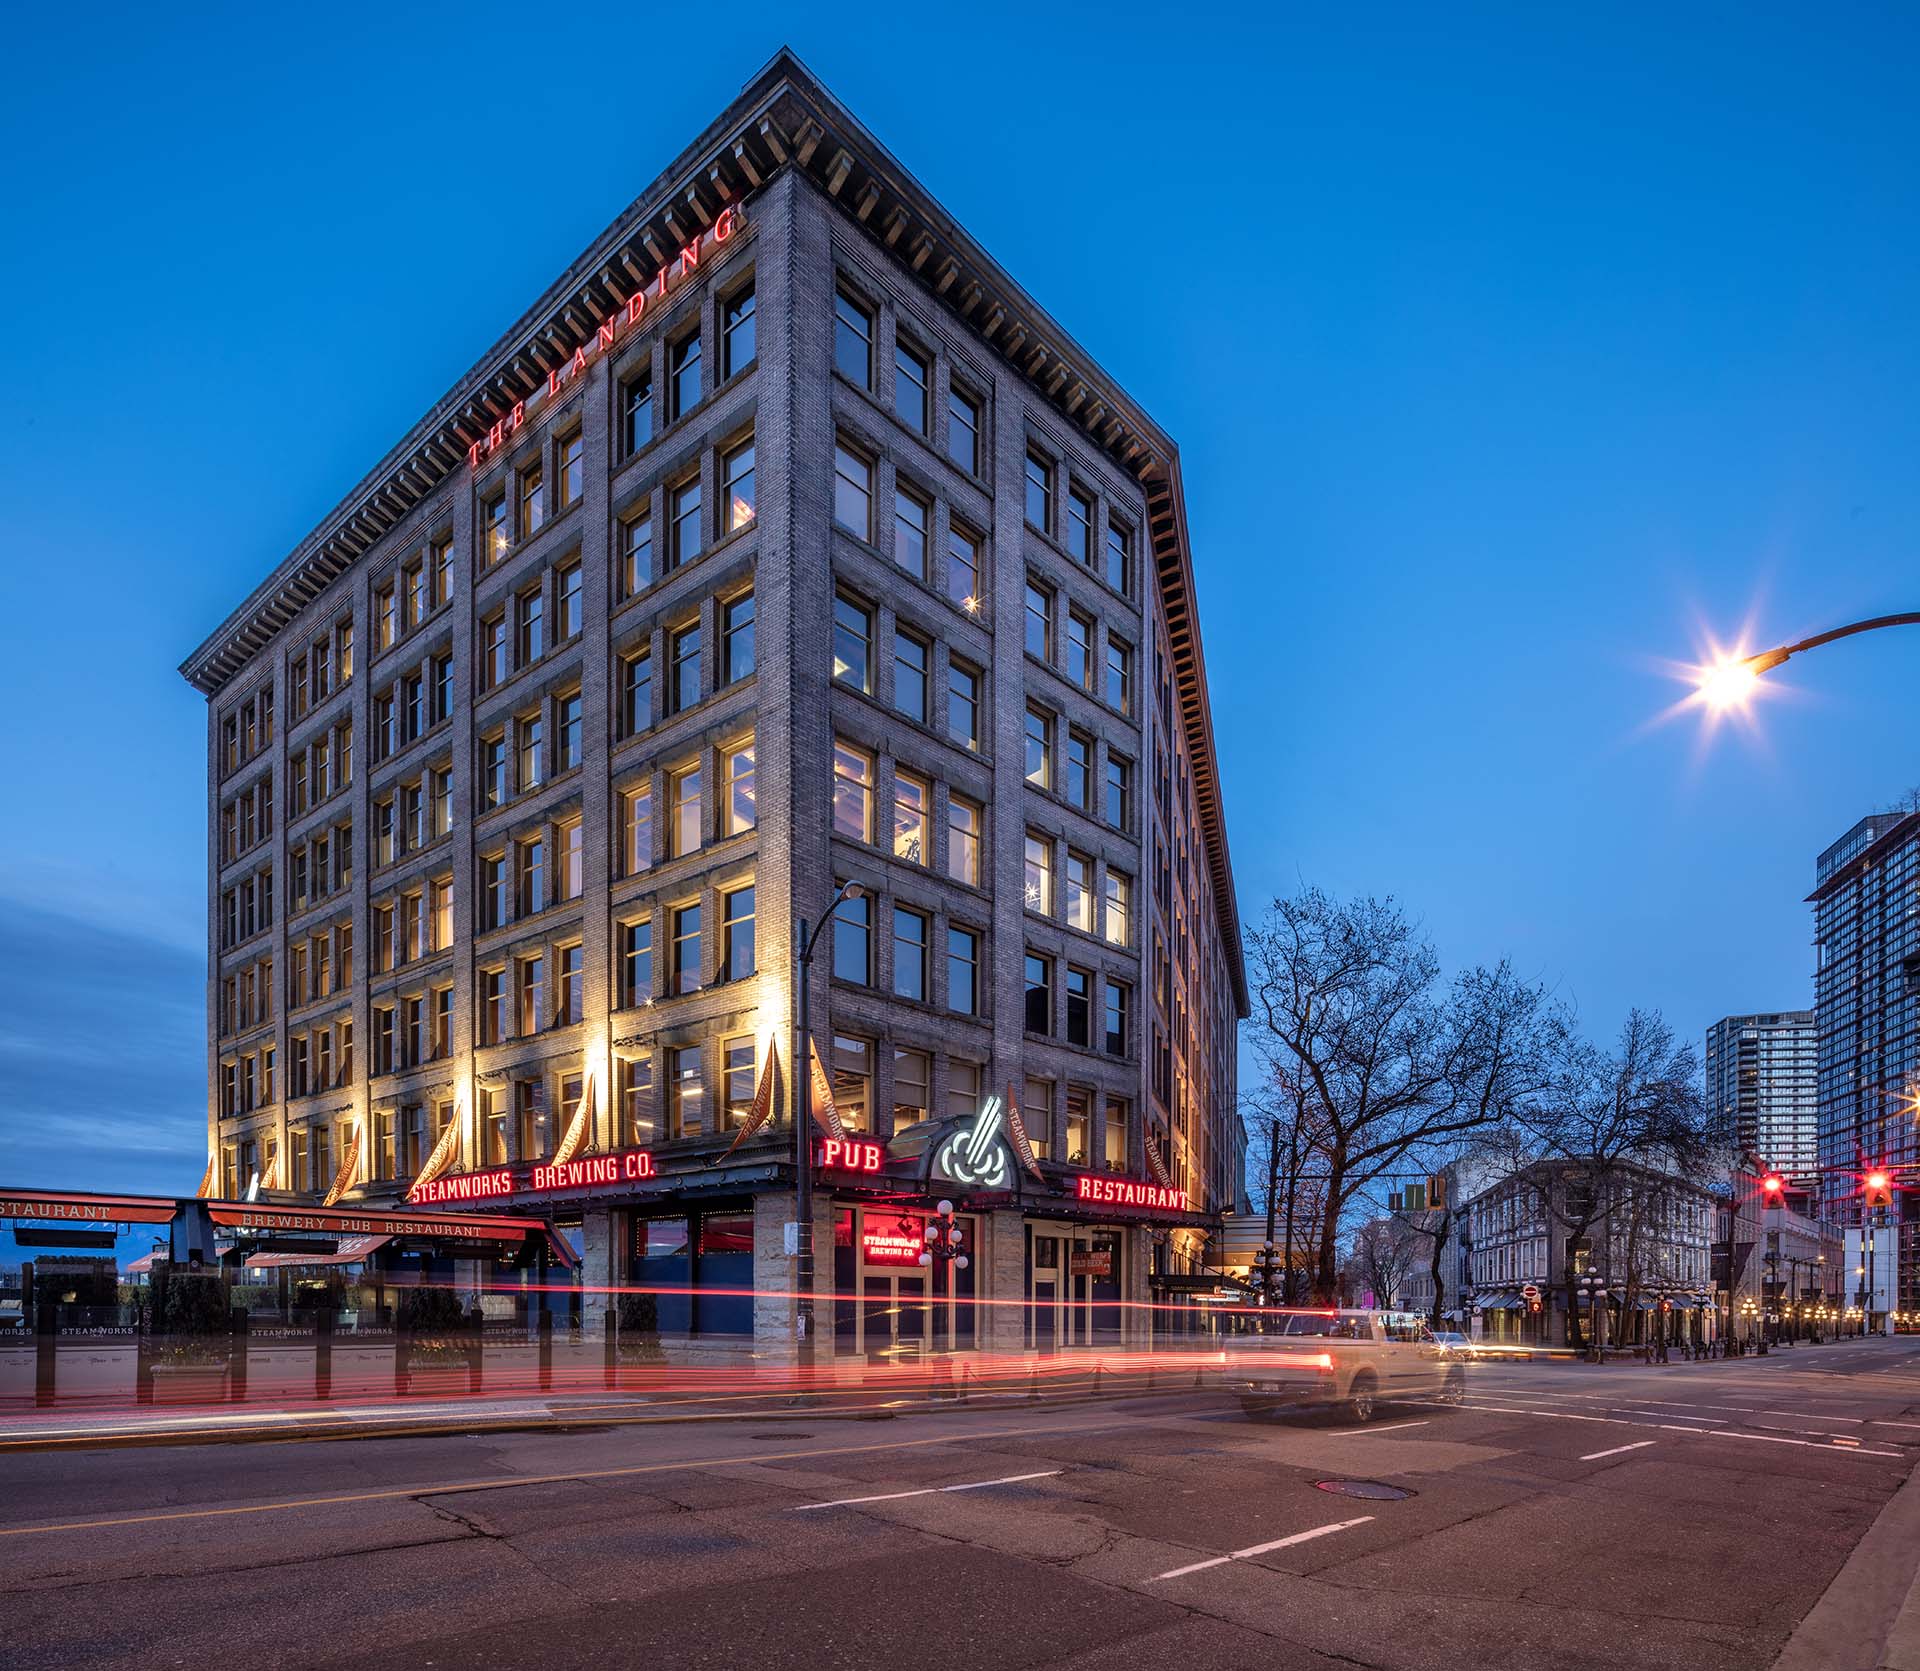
x: 1074, y: 1277
x: 889, y: 1307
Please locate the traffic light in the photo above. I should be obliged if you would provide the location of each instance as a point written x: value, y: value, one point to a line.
x: 1879, y: 1189
x: 1533, y: 1306
x: 1437, y: 1191
x: 1773, y: 1189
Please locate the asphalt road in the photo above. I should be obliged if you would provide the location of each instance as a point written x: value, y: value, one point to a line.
x: 1568, y: 1516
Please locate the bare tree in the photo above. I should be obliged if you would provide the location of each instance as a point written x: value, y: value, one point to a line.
x: 1383, y: 1060
x: 1286, y: 1182
x: 1383, y: 1256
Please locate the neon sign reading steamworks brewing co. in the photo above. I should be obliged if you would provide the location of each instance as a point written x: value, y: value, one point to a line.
x: 616, y: 325
x: 629, y: 1166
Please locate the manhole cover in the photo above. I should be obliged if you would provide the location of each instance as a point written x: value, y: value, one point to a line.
x: 1371, y: 1489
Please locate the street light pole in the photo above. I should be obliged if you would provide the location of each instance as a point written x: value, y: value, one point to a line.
x: 803, y: 1138
x: 1730, y: 681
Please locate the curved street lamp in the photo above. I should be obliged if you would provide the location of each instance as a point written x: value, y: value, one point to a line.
x: 1729, y: 681
x: 803, y: 1139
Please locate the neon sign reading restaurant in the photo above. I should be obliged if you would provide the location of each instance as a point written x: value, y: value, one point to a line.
x: 617, y: 324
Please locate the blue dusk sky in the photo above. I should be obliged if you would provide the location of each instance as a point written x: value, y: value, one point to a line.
x: 1512, y: 352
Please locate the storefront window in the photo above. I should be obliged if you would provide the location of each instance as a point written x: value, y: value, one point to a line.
x: 700, y: 1269
x: 887, y: 1305
x: 725, y: 1266
x: 853, y: 1082
x: 662, y: 1261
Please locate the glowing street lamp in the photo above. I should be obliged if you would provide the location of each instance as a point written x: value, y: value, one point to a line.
x: 1729, y: 682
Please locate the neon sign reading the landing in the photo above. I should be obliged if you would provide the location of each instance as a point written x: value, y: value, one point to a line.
x: 614, y: 326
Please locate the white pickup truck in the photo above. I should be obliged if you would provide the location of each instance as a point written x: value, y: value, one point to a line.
x: 1350, y: 1361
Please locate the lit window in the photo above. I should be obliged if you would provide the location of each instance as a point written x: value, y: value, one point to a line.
x: 741, y: 814
x: 736, y: 474
x: 852, y: 792
x: 1080, y: 892
x: 1038, y: 895
x: 1119, y: 909
x: 912, y: 798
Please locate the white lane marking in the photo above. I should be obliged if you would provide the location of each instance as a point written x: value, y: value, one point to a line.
x: 924, y: 1491
x: 1877, y: 1422
x: 1620, y: 1450
x: 1775, y: 1439
x: 1263, y: 1548
x: 1808, y: 1415
x: 1395, y: 1428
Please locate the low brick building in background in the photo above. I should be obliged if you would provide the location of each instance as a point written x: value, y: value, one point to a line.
x: 783, y: 543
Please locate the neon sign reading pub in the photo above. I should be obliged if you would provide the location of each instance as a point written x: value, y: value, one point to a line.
x: 617, y: 324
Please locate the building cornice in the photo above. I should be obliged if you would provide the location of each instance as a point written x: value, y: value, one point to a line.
x: 783, y: 118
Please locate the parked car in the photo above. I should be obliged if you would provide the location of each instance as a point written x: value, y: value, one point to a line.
x: 1349, y: 1361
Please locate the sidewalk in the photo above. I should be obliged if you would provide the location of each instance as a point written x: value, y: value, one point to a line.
x: 1869, y: 1618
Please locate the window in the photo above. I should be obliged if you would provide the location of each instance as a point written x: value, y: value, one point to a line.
x: 686, y: 948
x: 1039, y: 622
x: 1039, y: 749
x: 530, y: 876
x: 963, y: 971
x: 533, y: 751
x: 1079, y: 1006
x: 683, y: 373
x: 1036, y: 1099
x: 566, y: 601
x: 529, y: 1119
x: 442, y: 912
x: 912, y: 800
x: 570, y: 470
x: 493, y: 651
x: 636, y: 554
x: 1079, y: 1127
x: 636, y: 963
x: 566, y: 731
x: 1119, y: 1006
x: 496, y: 530
x: 1119, y: 909
x: 736, y: 934
x: 493, y: 771
x: 852, y: 792
x: 963, y: 703
x: 736, y: 476
x: 1080, y: 770
x: 442, y: 687
x: 533, y: 501
x: 382, y: 939
x: 910, y: 658
x: 566, y: 986
x: 686, y: 1093
x: 1080, y: 892
x: 912, y: 1087
x: 1039, y: 982
x: 852, y: 645
x: 687, y: 829
x: 912, y: 517
x: 1119, y: 570
x: 530, y: 977
x: 1119, y: 776
x: 909, y: 954
x: 636, y: 408
x: 852, y: 340
x: 963, y: 567
x: 853, y: 1082
x: 853, y: 941
x: 1119, y: 673
x: 963, y: 430
x: 912, y: 378
x: 569, y: 859
x: 741, y: 813
x: 683, y: 523
x: 737, y: 1091
x: 686, y: 668
x: 383, y: 633
x: 636, y: 693
x: 382, y: 719
x: 852, y: 492
x: 530, y: 615
x: 1115, y: 1155
x: 1079, y: 525
x: 737, y: 331
x: 1039, y: 493
x: 636, y: 829
x: 963, y: 1088
x: 1079, y: 649
x: 963, y: 841
x: 440, y: 560
x: 382, y: 832
x: 1038, y: 894
x: 413, y: 580
x: 736, y: 639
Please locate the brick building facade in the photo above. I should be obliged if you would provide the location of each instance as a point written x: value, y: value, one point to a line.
x: 785, y: 542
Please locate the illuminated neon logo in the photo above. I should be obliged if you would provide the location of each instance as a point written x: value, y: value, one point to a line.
x: 977, y: 1156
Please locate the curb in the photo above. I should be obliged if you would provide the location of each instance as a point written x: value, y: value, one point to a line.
x: 1869, y: 1617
